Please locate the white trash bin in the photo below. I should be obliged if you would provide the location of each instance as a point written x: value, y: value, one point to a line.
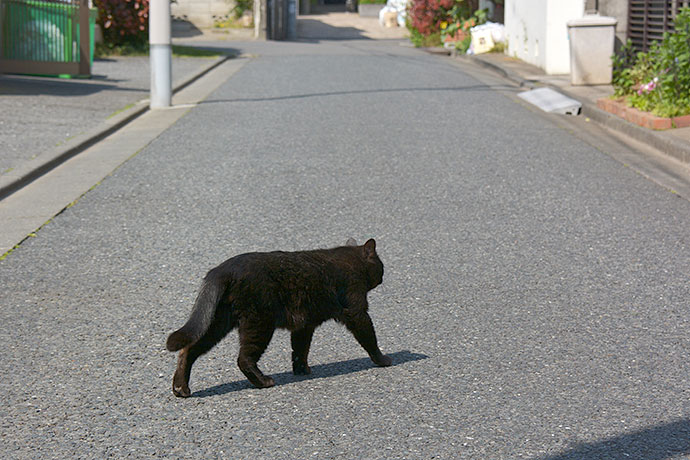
x: 591, y: 47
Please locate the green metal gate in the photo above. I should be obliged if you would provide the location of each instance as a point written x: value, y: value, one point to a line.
x: 46, y: 37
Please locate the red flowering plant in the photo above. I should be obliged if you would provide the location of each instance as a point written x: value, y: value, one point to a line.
x: 458, y: 31
x: 124, y: 22
x: 435, y: 21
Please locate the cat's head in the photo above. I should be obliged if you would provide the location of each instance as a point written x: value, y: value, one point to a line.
x: 374, y: 266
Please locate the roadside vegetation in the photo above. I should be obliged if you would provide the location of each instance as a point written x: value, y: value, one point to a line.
x: 125, y: 26
x: 436, y: 22
x: 657, y: 81
x: 125, y: 23
x: 241, y: 16
x: 104, y: 50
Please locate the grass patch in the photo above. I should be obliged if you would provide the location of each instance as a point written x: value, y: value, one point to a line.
x: 127, y: 107
x: 499, y: 47
x: 105, y: 51
x: 422, y: 41
x: 190, y: 51
x: 230, y: 23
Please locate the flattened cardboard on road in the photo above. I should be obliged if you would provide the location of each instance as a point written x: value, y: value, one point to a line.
x: 552, y: 101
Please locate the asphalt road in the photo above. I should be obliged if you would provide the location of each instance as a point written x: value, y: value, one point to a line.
x: 535, y: 300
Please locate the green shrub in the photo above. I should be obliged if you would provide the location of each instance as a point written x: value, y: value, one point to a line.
x: 657, y: 81
x: 426, y: 16
x: 623, y: 63
x: 434, y: 22
x: 124, y: 22
x: 241, y: 6
x: 424, y: 41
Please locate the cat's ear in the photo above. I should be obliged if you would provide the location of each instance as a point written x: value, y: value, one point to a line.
x: 351, y: 242
x: 370, y: 248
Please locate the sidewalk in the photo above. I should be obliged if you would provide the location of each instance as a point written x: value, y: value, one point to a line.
x: 44, y: 121
x: 673, y: 142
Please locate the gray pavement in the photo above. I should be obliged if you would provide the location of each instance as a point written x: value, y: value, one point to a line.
x: 672, y: 142
x: 534, y: 301
x: 50, y: 120
x: 41, y: 114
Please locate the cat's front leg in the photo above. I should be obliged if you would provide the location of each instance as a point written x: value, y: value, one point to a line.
x: 301, y: 341
x: 361, y: 326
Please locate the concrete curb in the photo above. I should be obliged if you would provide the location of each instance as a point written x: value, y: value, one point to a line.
x: 671, y: 146
x: 667, y: 144
x: 31, y: 170
x: 509, y: 74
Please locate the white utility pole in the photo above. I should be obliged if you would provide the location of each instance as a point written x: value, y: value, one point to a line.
x: 160, y: 51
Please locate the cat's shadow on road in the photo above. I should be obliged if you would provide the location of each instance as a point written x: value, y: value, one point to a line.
x: 318, y: 371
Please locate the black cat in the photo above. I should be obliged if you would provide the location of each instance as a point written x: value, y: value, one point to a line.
x: 259, y: 292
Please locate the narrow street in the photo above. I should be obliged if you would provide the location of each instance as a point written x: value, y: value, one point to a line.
x: 534, y: 303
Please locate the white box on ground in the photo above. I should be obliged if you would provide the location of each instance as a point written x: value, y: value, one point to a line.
x: 591, y: 47
x: 482, y: 41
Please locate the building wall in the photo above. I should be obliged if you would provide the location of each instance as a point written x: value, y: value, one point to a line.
x: 537, y: 31
x: 201, y: 13
x: 613, y: 8
x: 617, y: 9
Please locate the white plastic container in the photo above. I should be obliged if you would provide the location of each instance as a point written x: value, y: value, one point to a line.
x: 591, y: 47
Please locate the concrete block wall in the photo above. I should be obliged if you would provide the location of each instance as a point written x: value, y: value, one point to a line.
x: 613, y: 8
x: 616, y: 9
x: 201, y: 13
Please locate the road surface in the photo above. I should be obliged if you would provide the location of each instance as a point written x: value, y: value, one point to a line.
x: 535, y: 299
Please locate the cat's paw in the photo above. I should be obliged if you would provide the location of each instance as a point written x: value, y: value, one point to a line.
x: 266, y: 382
x: 299, y: 365
x: 383, y: 361
x: 182, y: 391
x: 301, y: 369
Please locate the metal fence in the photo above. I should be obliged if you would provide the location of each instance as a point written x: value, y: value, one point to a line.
x: 649, y: 19
x: 46, y: 37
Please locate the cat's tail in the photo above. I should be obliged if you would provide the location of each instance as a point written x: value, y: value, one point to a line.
x: 201, y: 317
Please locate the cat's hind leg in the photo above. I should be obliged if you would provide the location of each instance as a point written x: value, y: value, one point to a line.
x: 218, y: 329
x: 301, y: 341
x: 254, y: 338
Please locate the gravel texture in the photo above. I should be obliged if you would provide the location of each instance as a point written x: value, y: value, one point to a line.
x: 535, y: 301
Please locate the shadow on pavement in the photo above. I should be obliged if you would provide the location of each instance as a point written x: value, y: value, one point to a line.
x: 319, y: 371
x: 363, y: 91
x: 184, y: 29
x: 313, y: 30
x: 47, y: 86
x: 654, y: 443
